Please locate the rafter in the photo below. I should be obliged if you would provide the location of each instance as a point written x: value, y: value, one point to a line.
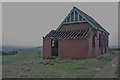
x: 67, y: 34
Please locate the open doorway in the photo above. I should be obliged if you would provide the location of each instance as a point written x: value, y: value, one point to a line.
x: 54, y: 47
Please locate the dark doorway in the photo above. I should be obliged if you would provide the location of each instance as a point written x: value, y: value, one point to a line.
x: 54, y: 46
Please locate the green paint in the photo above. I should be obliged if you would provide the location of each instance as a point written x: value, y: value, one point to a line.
x: 85, y: 17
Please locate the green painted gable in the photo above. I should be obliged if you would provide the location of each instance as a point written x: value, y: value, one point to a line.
x: 78, y: 16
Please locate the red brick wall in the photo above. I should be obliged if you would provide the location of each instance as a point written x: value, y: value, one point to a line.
x: 74, y: 48
x: 75, y: 26
x: 46, y: 48
x: 77, y: 48
x: 97, y: 51
x: 91, y: 52
x: 104, y: 46
x: 94, y: 51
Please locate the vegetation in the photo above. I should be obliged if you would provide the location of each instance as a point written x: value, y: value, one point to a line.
x: 19, y: 57
x: 0, y: 59
x: 117, y: 73
x: 118, y: 70
x: 34, y: 67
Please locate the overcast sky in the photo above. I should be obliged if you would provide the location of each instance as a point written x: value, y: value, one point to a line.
x: 24, y: 24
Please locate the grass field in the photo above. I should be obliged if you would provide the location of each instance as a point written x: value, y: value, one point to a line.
x: 117, y: 73
x: 0, y: 66
x: 18, y: 57
x: 32, y: 66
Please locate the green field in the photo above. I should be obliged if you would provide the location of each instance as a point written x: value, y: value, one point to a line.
x: 117, y: 73
x: 18, y: 57
x: 33, y: 66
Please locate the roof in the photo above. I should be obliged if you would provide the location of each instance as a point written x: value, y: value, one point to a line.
x: 67, y: 34
x: 85, y: 18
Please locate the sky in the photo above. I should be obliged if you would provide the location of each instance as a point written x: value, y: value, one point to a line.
x: 25, y: 23
x: 60, y: 0
x: 0, y: 25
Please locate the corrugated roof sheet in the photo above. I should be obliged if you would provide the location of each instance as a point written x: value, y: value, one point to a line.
x: 67, y: 34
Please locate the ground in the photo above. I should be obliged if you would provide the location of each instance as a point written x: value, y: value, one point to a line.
x: 33, y: 66
x: 109, y: 70
x: 0, y: 66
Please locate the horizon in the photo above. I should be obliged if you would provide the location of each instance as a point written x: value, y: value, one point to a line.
x: 25, y: 47
x: 40, y: 46
x: 11, y: 48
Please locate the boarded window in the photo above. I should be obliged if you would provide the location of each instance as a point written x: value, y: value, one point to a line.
x: 107, y: 41
x: 99, y: 40
x: 93, y: 41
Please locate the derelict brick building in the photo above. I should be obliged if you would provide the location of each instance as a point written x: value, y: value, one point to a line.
x: 78, y: 36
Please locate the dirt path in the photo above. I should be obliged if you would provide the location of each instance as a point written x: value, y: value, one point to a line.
x: 109, y: 70
x: 0, y: 67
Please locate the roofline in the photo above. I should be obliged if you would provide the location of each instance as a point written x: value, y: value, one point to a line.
x: 94, y: 20
x: 81, y: 13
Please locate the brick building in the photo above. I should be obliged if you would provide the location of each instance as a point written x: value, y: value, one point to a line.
x: 78, y: 36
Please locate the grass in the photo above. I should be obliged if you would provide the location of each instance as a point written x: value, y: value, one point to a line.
x: 57, y: 68
x: 117, y: 73
x: 18, y: 57
x: 0, y: 59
